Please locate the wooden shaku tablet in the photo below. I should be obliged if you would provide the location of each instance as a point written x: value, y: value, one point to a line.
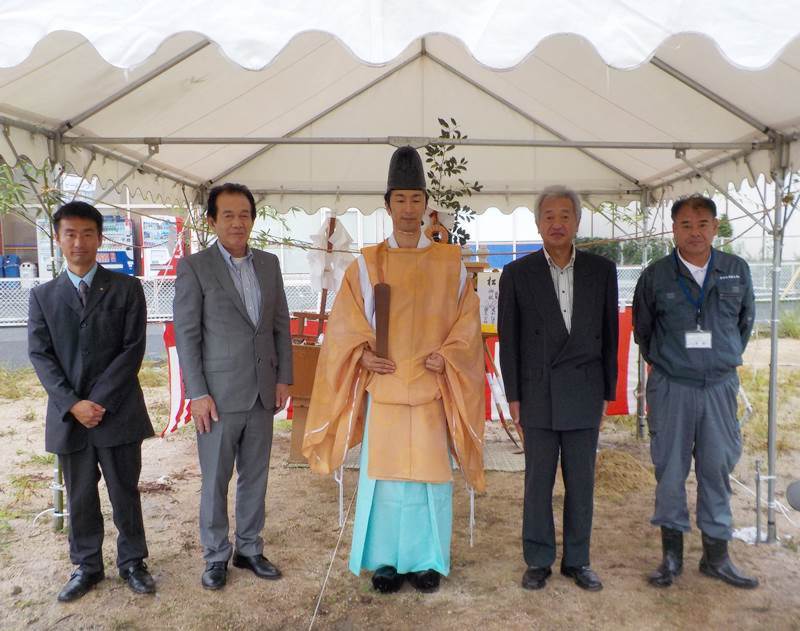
x: 382, y: 295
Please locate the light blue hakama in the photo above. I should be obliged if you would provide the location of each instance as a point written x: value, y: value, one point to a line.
x: 406, y: 525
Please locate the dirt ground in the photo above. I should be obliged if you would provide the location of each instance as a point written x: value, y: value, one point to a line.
x: 482, y: 590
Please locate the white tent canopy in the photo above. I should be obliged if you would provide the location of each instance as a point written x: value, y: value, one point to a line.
x: 304, y: 102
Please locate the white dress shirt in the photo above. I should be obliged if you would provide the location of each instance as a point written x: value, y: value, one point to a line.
x: 563, y: 280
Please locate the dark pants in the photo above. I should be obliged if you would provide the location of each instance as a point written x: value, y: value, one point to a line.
x: 578, y: 449
x: 121, y: 466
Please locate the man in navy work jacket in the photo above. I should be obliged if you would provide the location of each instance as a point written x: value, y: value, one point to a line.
x: 693, y: 314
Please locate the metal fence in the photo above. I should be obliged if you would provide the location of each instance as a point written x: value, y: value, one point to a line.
x: 160, y: 292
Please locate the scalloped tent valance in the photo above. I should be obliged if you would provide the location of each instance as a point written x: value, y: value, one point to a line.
x: 304, y: 102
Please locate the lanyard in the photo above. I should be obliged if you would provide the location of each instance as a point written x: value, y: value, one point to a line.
x: 697, y: 302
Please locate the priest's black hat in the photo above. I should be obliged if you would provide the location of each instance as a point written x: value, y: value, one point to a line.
x: 406, y: 171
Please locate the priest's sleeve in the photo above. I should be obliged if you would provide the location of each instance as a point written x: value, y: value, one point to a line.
x: 336, y: 413
x: 462, y: 387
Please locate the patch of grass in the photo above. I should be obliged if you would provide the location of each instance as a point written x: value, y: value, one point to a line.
x: 154, y: 374
x: 789, y: 325
x: 29, y: 416
x: 755, y: 382
x: 25, y: 486
x: 42, y: 459
x: 17, y: 383
x: 5, y: 521
x: 627, y: 422
x: 283, y: 425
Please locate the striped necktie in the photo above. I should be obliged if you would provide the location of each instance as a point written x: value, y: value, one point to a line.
x: 83, y: 292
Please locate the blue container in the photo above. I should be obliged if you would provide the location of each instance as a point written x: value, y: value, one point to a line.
x: 11, y: 266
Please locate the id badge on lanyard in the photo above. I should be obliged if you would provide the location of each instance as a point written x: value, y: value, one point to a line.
x: 697, y: 338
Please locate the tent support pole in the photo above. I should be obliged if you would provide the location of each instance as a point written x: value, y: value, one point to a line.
x: 611, y: 220
x: 150, y: 153
x: 483, y: 192
x: 421, y: 141
x: 681, y: 155
x: 641, y: 403
x: 479, y: 86
x: 711, y: 95
x: 318, y: 116
x: 131, y: 87
x: 779, y: 176
x: 83, y: 177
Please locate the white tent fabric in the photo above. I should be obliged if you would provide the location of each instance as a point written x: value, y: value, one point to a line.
x: 499, y: 33
x: 376, y: 74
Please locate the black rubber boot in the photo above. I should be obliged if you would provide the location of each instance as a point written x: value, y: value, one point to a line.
x: 717, y: 564
x: 672, y: 561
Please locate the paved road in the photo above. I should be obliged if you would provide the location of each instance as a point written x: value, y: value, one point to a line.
x: 14, y: 345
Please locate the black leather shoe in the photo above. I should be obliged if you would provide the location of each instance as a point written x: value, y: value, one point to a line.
x: 717, y: 564
x: 584, y: 577
x: 216, y: 575
x: 259, y: 565
x: 79, y: 583
x: 672, y: 561
x: 138, y: 578
x: 426, y: 582
x: 535, y: 577
x: 386, y: 580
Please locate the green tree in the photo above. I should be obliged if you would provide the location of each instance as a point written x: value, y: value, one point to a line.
x: 607, y: 248
x: 447, y: 187
x: 20, y: 187
x: 725, y: 234
x: 26, y: 186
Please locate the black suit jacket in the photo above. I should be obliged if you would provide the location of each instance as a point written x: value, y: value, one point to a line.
x: 559, y: 378
x: 93, y: 353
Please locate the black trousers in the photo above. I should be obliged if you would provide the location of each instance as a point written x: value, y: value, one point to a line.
x: 578, y: 450
x: 121, y: 466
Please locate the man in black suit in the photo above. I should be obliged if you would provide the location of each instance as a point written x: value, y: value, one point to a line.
x: 86, y: 340
x: 558, y: 328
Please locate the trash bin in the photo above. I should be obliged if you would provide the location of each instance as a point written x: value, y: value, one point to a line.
x: 28, y: 273
x: 11, y: 265
x: 11, y: 268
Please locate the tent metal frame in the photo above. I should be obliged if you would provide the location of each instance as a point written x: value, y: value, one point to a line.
x: 774, y: 142
x: 417, y: 141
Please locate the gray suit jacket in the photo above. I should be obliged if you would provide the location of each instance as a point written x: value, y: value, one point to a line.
x: 221, y: 352
x: 90, y: 353
x: 560, y: 378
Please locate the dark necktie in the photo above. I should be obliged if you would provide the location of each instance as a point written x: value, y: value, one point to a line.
x: 83, y: 292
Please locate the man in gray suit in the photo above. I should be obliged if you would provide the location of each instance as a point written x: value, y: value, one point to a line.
x: 558, y: 328
x: 235, y: 352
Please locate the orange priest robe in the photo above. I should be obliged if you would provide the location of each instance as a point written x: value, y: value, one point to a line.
x: 426, y: 414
